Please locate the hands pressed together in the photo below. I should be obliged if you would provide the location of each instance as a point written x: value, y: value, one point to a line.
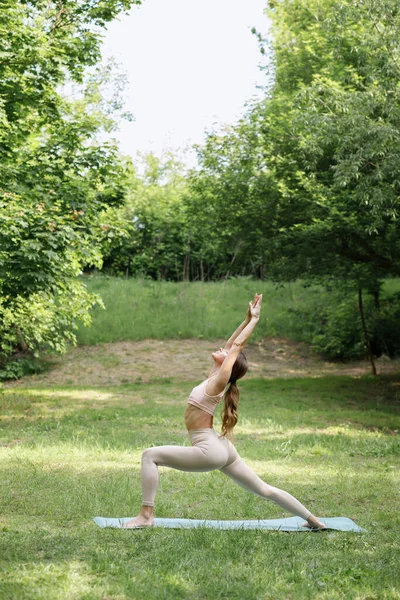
x: 255, y: 307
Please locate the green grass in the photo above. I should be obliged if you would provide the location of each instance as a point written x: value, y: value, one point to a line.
x: 68, y: 454
x: 138, y: 309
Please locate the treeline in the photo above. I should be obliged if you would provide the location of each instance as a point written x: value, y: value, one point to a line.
x: 306, y: 183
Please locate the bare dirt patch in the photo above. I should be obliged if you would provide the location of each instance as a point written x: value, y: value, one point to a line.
x: 186, y: 360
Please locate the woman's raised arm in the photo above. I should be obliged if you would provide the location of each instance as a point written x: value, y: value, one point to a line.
x: 220, y: 380
x: 239, y: 330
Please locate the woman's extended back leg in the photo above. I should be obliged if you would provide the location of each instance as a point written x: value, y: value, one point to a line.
x: 249, y: 480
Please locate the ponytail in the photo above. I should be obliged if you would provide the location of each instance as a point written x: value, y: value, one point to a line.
x: 229, y: 414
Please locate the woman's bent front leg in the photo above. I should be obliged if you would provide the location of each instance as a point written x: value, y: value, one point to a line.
x: 182, y: 458
x: 192, y: 459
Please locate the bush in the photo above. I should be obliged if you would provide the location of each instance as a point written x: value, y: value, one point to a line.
x: 339, y: 332
x: 14, y: 369
x: 386, y: 329
x: 331, y: 323
x: 44, y: 321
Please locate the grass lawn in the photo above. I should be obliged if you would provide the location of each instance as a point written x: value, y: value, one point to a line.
x: 137, y: 309
x: 68, y: 454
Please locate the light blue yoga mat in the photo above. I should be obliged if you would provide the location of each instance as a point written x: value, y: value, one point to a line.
x: 289, y: 524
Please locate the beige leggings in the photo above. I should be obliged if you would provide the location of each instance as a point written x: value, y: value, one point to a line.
x: 208, y: 453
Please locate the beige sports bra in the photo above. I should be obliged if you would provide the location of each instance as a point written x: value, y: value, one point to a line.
x: 199, y: 398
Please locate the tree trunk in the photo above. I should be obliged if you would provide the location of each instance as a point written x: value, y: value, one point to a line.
x: 128, y: 267
x: 233, y: 260
x: 366, y: 336
x: 21, y: 340
x: 377, y: 301
x: 186, y: 265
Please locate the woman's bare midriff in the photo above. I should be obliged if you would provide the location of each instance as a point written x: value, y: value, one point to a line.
x: 196, y: 418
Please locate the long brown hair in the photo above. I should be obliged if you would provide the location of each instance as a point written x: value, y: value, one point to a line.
x: 229, y: 414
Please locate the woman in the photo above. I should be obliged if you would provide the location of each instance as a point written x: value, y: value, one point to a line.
x: 210, y: 451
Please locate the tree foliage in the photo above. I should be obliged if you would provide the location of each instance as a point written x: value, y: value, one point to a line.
x: 56, y: 179
x: 340, y: 155
x: 155, y: 211
x: 314, y: 166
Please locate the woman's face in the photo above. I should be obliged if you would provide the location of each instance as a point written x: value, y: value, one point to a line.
x: 219, y: 356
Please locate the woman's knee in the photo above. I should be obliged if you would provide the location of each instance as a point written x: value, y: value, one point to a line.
x: 268, y: 491
x: 148, y: 455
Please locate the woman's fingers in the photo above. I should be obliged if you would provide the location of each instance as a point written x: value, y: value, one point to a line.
x: 257, y: 299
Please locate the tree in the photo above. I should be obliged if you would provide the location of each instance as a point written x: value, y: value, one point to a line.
x: 56, y: 180
x: 319, y: 184
x: 337, y: 152
x: 155, y: 210
x: 341, y: 151
x: 227, y: 199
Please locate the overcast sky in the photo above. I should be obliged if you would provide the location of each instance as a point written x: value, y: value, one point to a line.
x: 190, y: 64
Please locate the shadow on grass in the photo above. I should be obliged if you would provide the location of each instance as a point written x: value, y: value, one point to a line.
x: 329, y: 392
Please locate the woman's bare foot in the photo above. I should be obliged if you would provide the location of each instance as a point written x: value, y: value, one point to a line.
x: 144, y: 519
x: 314, y: 523
x: 138, y: 522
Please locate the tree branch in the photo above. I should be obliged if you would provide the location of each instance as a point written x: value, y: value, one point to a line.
x: 371, y: 256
